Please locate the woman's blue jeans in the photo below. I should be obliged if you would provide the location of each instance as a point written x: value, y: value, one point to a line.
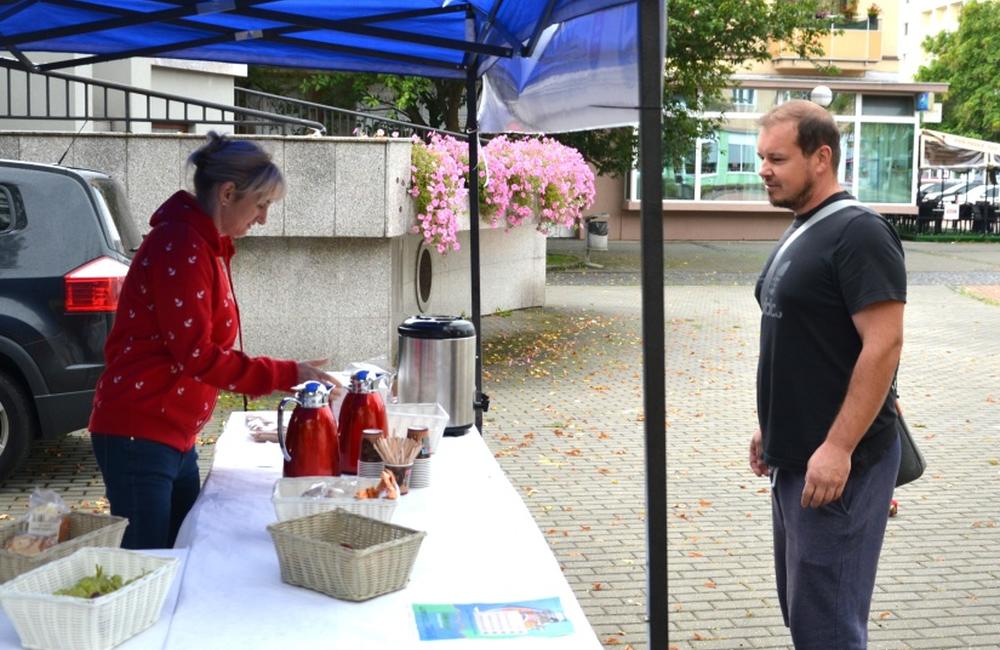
x: 150, y: 483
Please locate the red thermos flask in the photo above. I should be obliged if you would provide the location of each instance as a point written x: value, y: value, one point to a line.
x: 310, y: 446
x: 362, y: 409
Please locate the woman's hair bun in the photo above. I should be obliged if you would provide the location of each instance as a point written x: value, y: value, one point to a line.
x: 203, y: 154
x: 244, y: 163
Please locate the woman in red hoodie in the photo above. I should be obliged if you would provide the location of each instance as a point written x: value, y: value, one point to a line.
x: 171, y: 348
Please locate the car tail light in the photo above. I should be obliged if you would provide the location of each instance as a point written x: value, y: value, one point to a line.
x: 95, y: 286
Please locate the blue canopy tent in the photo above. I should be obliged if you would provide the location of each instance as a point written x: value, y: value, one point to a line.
x: 547, y: 65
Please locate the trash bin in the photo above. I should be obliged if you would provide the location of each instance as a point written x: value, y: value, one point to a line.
x: 597, y: 232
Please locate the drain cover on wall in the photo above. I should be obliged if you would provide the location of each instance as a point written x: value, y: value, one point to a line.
x: 424, y: 277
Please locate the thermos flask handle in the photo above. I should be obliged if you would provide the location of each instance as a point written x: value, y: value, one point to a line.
x: 281, y: 428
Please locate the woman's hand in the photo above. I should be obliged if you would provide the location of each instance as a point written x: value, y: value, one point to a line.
x: 312, y: 371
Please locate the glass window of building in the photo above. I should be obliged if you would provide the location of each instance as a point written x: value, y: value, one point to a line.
x: 736, y: 164
x: 885, y: 171
x: 742, y: 154
x: 845, y: 169
x: 887, y: 105
x: 709, y: 157
x: 876, y: 159
x: 744, y: 99
x: 678, y: 181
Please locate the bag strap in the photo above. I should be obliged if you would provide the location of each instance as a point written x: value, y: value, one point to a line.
x: 836, y: 206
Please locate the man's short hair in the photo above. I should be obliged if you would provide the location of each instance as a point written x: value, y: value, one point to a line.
x: 815, y: 126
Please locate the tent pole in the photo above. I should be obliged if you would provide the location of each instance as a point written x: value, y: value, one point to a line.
x: 651, y: 19
x: 472, y: 129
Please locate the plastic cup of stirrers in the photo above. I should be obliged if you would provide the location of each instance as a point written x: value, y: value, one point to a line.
x: 402, y: 473
x: 398, y: 455
x: 397, y: 451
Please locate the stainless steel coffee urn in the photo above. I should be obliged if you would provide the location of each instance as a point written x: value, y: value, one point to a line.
x: 437, y: 363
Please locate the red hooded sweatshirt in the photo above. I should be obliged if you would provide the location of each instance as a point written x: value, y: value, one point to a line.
x: 170, y: 350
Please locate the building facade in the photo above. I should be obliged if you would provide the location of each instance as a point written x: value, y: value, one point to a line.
x: 716, y: 193
x: 920, y: 19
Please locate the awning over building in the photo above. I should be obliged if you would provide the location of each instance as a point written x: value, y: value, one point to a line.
x: 945, y: 150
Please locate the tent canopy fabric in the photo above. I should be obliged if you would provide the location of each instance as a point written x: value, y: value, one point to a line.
x: 581, y: 73
x: 945, y: 150
x: 559, y: 60
x: 416, y: 37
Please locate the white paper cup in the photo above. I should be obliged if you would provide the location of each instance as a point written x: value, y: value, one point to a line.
x: 421, y: 475
x: 370, y: 470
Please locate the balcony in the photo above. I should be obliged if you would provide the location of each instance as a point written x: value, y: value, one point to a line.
x: 851, y: 47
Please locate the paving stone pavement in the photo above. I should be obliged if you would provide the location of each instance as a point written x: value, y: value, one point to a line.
x: 566, y: 426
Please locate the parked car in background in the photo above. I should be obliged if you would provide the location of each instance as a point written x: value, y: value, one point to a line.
x: 988, y: 193
x: 66, y: 239
x: 936, y: 187
x: 954, y: 194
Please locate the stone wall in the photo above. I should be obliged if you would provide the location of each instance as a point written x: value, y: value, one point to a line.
x: 332, y: 273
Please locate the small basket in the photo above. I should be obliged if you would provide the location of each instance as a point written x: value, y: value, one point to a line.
x: 44, y: 620
x: 290, y: 504
x: 85, y: 529
x: 344, y: 555
x: 405, y: 415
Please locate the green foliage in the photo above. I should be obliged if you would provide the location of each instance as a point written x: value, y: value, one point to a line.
x: 969, y: 60
x: 418, y: 100
x: 288, y: 82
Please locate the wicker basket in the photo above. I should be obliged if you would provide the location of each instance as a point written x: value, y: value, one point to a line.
x: 44, y: 620
x: 85, y: 529
x: 344, y: 555
x: 404, y: 415
x: 290, y: 504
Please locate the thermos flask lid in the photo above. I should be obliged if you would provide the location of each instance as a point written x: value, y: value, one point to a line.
x: 436, y: 327
x: 312, y: 394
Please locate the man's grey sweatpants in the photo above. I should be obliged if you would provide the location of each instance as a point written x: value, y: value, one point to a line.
x: 825, y: 558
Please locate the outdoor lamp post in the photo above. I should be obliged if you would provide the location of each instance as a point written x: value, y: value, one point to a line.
x: 821, y: 95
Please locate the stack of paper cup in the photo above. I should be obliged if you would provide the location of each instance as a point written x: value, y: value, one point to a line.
x: 370, y: 470
x: 421, y: 476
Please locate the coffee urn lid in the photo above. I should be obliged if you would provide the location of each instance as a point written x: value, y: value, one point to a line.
x: 436, y: 327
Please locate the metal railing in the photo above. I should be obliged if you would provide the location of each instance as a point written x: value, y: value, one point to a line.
x: 982, y: 218
x: 337, y: 121
x: 56, y: 96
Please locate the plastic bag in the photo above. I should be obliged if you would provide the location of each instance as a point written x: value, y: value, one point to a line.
x: 46, y: 513
x: 47, y: 524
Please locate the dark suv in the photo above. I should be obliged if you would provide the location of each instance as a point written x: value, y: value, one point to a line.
x: 66, y: 238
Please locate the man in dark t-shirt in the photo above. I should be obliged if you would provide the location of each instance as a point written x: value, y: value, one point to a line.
x: 831, y: 335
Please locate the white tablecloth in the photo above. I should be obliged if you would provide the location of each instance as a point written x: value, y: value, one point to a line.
x: 482, y: 545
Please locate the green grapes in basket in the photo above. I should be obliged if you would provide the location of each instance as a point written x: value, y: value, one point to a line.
x: 96, y: 585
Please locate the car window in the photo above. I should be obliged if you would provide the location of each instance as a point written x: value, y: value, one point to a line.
x: 11, y: 208
x: 114, y: 205
x: 6, y: 210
